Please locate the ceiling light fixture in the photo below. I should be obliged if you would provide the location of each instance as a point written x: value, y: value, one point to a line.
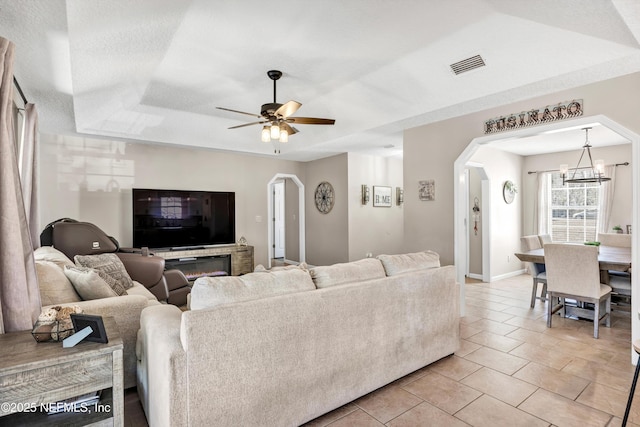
x: 597, y: 167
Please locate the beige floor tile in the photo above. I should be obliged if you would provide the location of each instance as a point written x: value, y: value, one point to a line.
x: 561, y: 411
x: 443, y: 392
x: 387, y: 403
x: 556, y: 359
x: 467, y: 330
x: 527, y: 313
x: 601, y: 373
x: 487, y: 304
x: 357, y: 418
x: 485, y: 313
x: 497, y: 360
x: 454, y: 367
x: 466, y: 347
x: 493, y: 326
x: 426, y: 415
x: 332, y: 416
x: 412, y: 376
x: 532, y: 324
x: 465, y: 320
x: 617, y: 422
x: 498, y: 342
x: 554, y: 380
x: 533, y: 337
x: 489, y: 412
x: 609, y: 400
x: 503, y: 387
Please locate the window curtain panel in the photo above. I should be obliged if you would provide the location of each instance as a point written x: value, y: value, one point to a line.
x: 543, y: 182
x: 28, y: 170
x: 607, y: 191
x: 19, y: 295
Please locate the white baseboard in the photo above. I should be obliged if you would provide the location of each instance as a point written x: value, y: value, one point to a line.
x: 474, y: 276
x: 507, y: 275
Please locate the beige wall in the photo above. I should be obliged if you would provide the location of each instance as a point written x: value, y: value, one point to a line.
x: 91, y: 180
x: 431, y: 150
x: 327, y: 234
x: 374, y: 230
x: 292, y: 221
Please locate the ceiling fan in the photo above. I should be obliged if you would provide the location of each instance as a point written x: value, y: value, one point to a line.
x: 276, y: 117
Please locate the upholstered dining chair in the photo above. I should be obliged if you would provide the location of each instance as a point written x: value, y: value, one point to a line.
x: 573, y: 272
x: 544, y: 239
x: 620, y: 281
x: 537, y: 271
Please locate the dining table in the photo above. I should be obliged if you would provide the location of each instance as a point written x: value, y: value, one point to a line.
x: 609, y: 257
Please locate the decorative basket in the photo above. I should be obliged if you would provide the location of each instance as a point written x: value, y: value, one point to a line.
x: 56, y: 330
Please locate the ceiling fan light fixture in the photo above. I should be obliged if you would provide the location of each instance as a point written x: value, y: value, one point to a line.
x: 284, y: 136
x: 266, y: 134
x: 275, y: 131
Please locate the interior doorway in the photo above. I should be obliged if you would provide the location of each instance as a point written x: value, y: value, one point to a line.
x: 460, y: 165
x: 279, y: 218
x: 478, y: 222
x: 292, y: 189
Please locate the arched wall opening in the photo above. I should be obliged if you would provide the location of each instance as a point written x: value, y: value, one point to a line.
x: 301, y: 217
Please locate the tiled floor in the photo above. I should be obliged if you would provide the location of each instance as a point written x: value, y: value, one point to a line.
x: 511, y: 370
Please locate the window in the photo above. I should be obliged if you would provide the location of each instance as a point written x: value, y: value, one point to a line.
x: 573, y: 210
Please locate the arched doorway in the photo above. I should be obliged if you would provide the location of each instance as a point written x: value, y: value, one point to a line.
x: 460, y: 203
x: 279, y: 177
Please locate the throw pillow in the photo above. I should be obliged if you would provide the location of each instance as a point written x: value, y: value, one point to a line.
x: 55, y: 287
x: 209, y: 292
x: 92, y: 284
x: 108, y: 263
x: 405, y: 263
x: 49, y: 253
x: 348, y: 272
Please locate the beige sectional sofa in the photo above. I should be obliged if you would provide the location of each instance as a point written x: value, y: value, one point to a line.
x: 279, y: 348
x: 56, y: 289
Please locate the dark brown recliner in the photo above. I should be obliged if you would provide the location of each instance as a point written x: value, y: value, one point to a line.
x: 82, y: 238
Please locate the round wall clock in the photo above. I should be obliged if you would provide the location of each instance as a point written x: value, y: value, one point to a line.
x: 509, y: 191
x: 325, y: 197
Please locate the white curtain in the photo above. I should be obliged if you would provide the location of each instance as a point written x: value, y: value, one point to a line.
x: 543, y: 181
x: 19, y: 294
x: 607, y: 191
x: 28, y: 170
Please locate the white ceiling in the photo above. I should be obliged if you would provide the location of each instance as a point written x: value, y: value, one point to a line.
x: 154, y: 70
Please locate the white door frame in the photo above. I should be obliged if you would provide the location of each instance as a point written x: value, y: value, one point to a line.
x: 460, y: 242
x: 485, y: 218
x: 279, y: 227
x: 301, y: 221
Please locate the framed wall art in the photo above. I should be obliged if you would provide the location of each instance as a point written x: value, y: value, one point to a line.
x: 427, y: 190
x: 381, y: 196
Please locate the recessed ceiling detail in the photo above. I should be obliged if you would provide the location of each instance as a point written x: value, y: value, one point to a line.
x: 467, y: 65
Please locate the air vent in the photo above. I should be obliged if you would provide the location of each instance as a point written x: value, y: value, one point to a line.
x: 467, y: 64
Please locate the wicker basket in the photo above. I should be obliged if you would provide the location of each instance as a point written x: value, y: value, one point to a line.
x: 52, y: 331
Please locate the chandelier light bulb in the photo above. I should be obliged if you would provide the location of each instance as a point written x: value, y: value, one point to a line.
x: 284, y: 136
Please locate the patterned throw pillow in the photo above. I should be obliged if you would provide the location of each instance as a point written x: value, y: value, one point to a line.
x: 107, y: 263
x: 93, y: 284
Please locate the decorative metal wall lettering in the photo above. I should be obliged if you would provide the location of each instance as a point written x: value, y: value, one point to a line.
x: 536, y: 116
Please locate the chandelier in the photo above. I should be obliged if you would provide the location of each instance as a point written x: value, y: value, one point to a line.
x: 597, y: 167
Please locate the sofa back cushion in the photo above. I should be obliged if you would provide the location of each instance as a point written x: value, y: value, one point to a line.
x: 107, y: 263
x: 209, y: 292
x: 405, y: 263
x: 54, y: 286
x: 49, y: 253
x: 348, y: 272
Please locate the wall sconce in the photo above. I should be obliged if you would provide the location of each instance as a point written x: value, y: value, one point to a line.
x: 365, y: 194
x: 399, y: 196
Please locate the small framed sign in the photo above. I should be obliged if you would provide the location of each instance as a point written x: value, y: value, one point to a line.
x: 382, y: 196
x: 81, y: 321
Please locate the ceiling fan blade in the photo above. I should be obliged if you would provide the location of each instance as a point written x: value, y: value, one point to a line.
x: 310, y: 121
x: 290, y: 129
x: 241, y: 112
x: 248, y: 124
x: 288, y: 109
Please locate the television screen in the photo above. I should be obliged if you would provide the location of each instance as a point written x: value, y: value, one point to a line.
x: 178, y: 218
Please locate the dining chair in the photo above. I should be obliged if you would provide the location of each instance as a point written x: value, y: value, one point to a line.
x: 615, y: 239
x: 620, y: 281
x: 573, y: 272
x: 537, y: 271
x: 544, y: 239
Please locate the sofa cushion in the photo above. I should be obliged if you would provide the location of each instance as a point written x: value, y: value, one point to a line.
x: 209, y: 292
x: 49, y: 253
x: 349, y: 272
x: 108, y: 263
x: 404, y: 263
x: 92, y: 284
x: 139, y: 289
x: 261, y: 268
x: 55, y: 287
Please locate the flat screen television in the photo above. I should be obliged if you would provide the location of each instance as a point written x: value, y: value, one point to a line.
x: 183, y: 219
